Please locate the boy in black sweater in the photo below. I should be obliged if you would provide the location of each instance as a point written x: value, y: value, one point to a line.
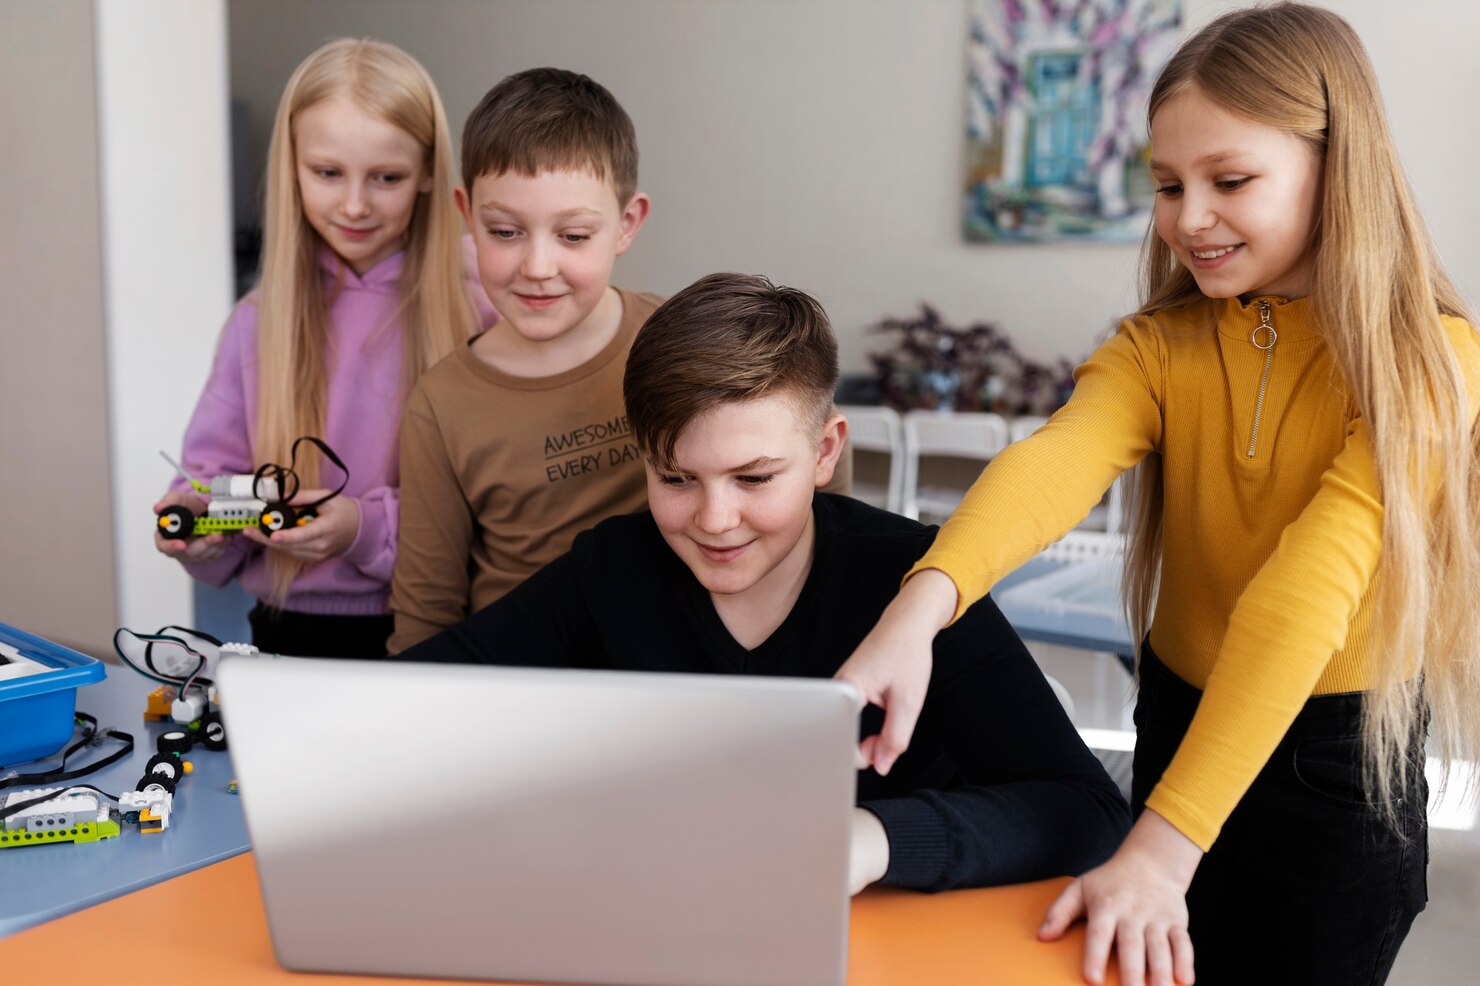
x: 741, y: 567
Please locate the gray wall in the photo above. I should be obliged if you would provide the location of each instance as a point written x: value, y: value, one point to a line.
x: 819, y: 141
x: 56, y: 544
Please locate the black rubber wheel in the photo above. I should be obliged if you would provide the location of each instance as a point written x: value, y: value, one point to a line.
x: 167, y: 766
x: 168, y: 783
x: 176, y: 523
x: 174, y: 741
x: 278, y: 517
x: 212, y: 731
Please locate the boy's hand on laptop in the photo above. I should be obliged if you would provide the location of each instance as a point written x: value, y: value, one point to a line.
x: 892, y: 665
x: 868, y: 851
x: 328, y: 535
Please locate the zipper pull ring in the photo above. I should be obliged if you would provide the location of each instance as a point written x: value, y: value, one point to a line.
x: 1266, y: 324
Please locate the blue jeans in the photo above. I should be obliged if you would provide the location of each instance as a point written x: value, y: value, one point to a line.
x: 1306, y: 883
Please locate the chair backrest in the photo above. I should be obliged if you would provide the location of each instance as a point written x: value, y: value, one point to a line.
x: 1062, y: 694
x: 1024, y: 425
x: 967, y: 435
x: 1077, y: 546
x: 878, y: 429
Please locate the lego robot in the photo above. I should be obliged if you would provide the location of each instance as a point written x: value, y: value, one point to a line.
x: 237, y: 502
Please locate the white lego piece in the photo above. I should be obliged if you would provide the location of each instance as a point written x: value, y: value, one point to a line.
x: 71, y: 807
x: 189, y: 707
x: 241, y: 487
x: 154, y: 800
x: 231, y: 647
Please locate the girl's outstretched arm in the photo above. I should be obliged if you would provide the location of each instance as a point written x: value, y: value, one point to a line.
x: 892, y: 665
x: 1028, y: 497
x: 1135, y: 901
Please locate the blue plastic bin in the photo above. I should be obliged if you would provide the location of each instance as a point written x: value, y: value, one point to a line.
x: 36, y: 711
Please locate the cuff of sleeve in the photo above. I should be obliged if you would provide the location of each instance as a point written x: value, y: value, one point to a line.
x: 362, y: 550
x: 1184, y: 816
x: 919, y: 848
x: 928, y: 564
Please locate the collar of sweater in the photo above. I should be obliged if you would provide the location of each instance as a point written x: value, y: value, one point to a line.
x: 1293, y: 319
x: 386, y: 274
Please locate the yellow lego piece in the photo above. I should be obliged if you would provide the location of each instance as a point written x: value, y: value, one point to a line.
x: 158, y: 707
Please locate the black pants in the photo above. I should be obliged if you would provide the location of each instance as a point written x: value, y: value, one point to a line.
x: 281, y: 631
x: 1306, y: 884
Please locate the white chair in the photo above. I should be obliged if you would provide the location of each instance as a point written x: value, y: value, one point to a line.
x: 1062, y: 694
x: 1109, y: 514
x: 877, y: 429
x: 1078, y: 546
x: 972, y: 435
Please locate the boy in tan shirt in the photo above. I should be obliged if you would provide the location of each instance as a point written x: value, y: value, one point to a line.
x: 513, y: 445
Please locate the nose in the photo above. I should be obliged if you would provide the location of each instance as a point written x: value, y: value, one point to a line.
x: 716, y: 513
x: 538, y: 262
x: 356, y: 202
x: 1195, y: 213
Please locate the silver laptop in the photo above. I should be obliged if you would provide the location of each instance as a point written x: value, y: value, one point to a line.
x: 561, y: 826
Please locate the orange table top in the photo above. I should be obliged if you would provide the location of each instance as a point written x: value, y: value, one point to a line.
x: 211, y: 922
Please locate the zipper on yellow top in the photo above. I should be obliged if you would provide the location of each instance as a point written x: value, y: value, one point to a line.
x: 1263, y: 337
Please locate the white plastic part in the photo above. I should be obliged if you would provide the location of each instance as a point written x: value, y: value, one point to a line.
x: 17, y: 665
x: 232, y: 647
x: 62, y: 812
x: 153, y: 799
x: 189, y: 708
x: 240, y: 487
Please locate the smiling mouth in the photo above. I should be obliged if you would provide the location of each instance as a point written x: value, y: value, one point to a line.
x: 1214, y: 254
x: 722, y: 554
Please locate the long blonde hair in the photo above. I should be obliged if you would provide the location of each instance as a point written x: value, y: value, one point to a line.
x: 293, y: 306
x: 1378, y: 291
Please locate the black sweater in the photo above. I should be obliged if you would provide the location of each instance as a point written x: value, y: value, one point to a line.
x: 996, y: 786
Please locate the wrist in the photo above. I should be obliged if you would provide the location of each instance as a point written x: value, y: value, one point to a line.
x: 1155, y: 842
x: 869, y: 848
x: 927, y: 602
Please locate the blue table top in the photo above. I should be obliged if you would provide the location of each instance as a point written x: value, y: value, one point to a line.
x: 44, y: 882
x: 1069, y: 629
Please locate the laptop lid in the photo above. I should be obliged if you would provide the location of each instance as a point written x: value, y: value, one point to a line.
x: 550, y: 825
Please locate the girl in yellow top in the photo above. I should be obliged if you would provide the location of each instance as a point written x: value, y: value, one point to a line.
x: 1298, y: 395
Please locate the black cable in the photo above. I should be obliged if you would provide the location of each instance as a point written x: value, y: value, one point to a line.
x: 153, y: 674
x: 90, y: 732
x: 287, y: 478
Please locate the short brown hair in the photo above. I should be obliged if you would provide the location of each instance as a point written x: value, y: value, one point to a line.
x: 549, y: 119
x: 726, y: 338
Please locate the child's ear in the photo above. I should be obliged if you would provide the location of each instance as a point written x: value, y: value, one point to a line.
x: 464, y: 205
x: 834, y: 435
x: 632, y: 219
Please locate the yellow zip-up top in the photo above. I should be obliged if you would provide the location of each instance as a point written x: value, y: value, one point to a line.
x: 1272, y: 521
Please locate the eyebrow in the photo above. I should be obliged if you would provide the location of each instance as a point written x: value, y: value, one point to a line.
x: 761, y: 462
x: 310, y: 157
x: 579, y: 212
x: 1217, y: 157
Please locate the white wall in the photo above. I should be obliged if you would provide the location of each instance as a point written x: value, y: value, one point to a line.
x: 164, y: 151
x: 820, y: 141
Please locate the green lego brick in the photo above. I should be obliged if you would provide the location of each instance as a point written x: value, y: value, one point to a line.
x: 86, y: 832
x: 222, y: 525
